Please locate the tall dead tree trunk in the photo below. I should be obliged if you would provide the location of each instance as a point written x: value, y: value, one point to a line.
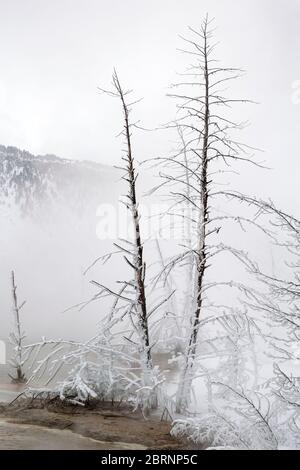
x: 16, y: 337
x: 138, y: 264
x: 134, y: 254
x: 206, y: 151
x: 200, y: 252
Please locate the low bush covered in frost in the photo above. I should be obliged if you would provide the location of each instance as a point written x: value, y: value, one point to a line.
x: 89, y: 381
x: 214, y: 430
x: 98, y: 370
x: 243, y: 421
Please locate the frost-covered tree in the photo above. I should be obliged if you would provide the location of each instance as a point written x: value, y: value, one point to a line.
x: 132, y: 298
x: 281, y: 310
x: 245, y: 421
x: 207, y: 149
x: 116, y: 364
x: 17, y: 337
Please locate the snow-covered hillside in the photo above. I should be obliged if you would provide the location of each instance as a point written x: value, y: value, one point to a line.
x: 29, y: 184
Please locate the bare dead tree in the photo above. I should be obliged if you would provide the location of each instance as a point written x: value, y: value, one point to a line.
x: 277, y: 303
x: 281, y: 304
x: 282, y: 310
x: 132, y: 298
x: 138, y: 264
x: 17, y: 336
x: 246, y: 422
x: 191, y: 176
x: 124, y: 352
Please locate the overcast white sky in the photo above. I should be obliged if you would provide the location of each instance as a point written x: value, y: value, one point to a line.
x: 54, y: 54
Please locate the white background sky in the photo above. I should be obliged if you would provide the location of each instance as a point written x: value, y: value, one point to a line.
x: 54, y: 54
